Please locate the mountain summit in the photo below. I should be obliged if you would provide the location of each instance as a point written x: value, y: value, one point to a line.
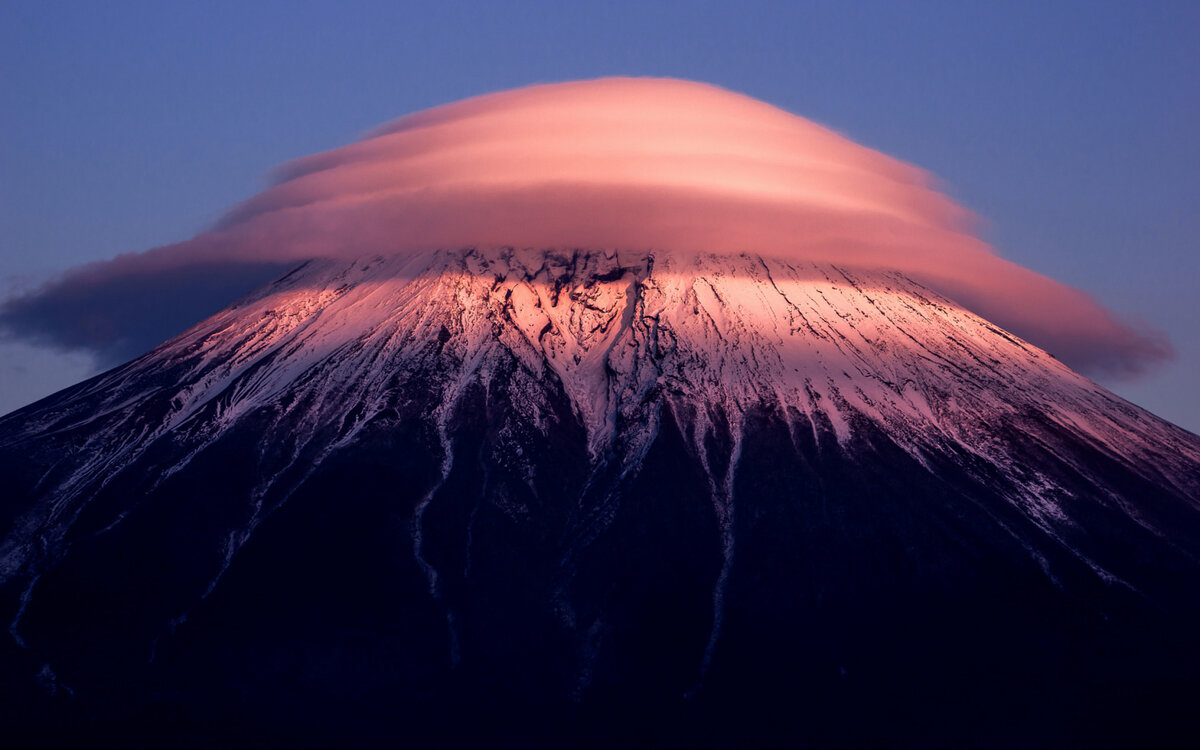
x: 585, y: 496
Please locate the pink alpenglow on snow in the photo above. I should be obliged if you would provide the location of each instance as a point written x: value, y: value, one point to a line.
x: 642, y: 165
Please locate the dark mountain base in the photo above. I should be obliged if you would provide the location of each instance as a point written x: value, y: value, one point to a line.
x: 868, y: 600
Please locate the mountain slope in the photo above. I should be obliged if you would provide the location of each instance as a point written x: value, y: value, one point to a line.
x: 647, y: 492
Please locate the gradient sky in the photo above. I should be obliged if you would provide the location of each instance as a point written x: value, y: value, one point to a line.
x: 1070, y: 129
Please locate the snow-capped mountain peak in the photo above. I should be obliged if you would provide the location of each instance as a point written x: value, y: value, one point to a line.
x: 635, y: 470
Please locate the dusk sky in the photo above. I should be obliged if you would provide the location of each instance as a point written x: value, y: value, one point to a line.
x: 1071, y: 130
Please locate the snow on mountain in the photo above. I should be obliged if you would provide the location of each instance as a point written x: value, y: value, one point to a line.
x: 835, y: 344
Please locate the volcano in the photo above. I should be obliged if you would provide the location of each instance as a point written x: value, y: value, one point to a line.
x: 617, y: 413
x: 590, y: 497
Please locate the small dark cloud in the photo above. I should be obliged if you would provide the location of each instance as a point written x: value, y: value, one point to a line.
x: 117, y: 311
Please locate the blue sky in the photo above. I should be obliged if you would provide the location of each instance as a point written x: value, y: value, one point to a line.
x: 1071, y: 128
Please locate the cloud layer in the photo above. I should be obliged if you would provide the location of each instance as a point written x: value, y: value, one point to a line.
x: 635, y: 164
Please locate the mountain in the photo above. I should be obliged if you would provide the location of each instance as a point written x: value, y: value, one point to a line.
x: 587, y: 497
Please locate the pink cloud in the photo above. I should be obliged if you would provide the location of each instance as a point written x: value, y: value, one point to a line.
x: 647, y: 165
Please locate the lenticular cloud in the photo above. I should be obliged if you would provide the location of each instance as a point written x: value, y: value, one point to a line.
x: 640, y: 165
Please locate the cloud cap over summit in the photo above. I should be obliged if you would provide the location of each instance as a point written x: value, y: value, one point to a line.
x: 627, y: 163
